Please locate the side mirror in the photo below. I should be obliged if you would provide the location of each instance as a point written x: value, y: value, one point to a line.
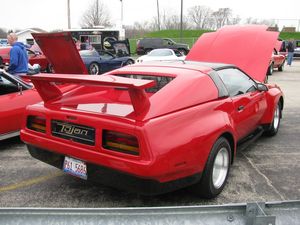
x: 20, y: 89
x: 262, y: 87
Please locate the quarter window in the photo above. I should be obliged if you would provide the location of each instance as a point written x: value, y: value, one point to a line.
x: 236, y: 81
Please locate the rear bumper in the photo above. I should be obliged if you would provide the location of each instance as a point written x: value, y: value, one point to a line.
x: 114, y: 178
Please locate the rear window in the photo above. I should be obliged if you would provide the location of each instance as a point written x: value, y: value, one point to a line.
x: 160, y: 81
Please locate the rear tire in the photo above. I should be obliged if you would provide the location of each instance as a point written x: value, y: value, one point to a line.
x: 49, y: 68
x: 216, y: 170
x: 182, y: 51
x: 128, y: 62
x: 274, y: 127
x: 148, y: 50
x: 281, y: 67
x: 270, y: 69
x: 94, y: 68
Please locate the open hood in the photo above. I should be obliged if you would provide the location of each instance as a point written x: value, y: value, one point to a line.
x: 61, y: 52
x: 248, y: 47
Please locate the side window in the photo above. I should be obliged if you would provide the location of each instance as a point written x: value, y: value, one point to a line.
x: 177, y: 53
x: 6, y: 86
x: 236, y: 81
x: 105, y: 55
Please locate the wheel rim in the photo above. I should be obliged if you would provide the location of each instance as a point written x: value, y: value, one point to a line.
x: 276, y: 118
x: 129, y: 62
x: 271, y: 69
x: 94, y: 69
x: 220, y: 168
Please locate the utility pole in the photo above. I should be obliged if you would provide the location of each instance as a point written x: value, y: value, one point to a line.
x: 181, y: 18
x: 69, y: 15
x: 158, y: 19
x: 121, y: 13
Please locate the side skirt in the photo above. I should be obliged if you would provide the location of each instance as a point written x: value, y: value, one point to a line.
x: 245, y: 142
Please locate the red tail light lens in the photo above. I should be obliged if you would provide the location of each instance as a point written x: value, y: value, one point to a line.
x: 36, y: 123
x: 120, y: 142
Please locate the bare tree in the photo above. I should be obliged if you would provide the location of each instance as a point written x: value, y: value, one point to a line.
x: 172, y: 22
x: 222, y: 17
x: 235, y: 20
x: 200, y: 15
x: 96, y: 14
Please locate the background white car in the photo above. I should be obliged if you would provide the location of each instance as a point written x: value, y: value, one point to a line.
x: 161, y: 54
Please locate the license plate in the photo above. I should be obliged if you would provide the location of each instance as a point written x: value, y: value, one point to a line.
x: 75, y: 167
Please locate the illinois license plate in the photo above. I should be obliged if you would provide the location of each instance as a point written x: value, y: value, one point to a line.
x: 75, y: 167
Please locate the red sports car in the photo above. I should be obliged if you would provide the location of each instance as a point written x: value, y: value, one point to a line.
x: 277, y: 61
x: 15, y: 95
x: 154, y: 128
x: 34, y: 57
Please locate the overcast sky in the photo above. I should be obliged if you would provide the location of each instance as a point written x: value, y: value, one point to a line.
x: 52, y: 14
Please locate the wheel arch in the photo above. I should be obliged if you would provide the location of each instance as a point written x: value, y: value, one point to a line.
x: 94, y: 62
x: 229, y: 137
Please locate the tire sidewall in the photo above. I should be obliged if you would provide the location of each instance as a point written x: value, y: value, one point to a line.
x: 90, y: 68
x: 273, y: 129
x: 205, y: 188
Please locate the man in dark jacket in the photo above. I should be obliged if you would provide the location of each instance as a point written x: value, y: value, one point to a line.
x: 18, y: 62
x: 290, y: 49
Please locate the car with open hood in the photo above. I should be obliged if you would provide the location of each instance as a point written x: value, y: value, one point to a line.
x: 277, y: 61
x: 18, y: 92
x: 103, y: 61
x: 34, y: 57
x: 61, y: 51
x: 153, y: 128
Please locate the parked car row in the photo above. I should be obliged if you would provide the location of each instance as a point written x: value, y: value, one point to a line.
x: 34, y: 57
x: 145, y: 45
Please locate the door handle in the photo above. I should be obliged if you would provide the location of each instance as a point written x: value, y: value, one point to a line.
x: 241, y: 107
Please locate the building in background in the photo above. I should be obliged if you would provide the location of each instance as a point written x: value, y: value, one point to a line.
x: 26, y: 37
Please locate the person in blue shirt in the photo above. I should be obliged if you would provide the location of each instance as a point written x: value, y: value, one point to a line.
x: 18, y: 62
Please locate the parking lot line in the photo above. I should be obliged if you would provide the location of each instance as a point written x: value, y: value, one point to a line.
x: 30, y: 182
x: 268, y: 181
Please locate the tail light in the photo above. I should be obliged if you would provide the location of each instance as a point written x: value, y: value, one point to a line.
x: 36, y: 123
x: 120, y: 142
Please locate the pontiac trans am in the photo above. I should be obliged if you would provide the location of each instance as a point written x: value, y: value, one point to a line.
x: 153, y: 128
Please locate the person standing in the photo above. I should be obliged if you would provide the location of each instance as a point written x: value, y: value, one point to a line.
x: 18, y: 60
x: 290, y: 50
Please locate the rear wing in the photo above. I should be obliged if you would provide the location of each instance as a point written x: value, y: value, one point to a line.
x: 46, y: 86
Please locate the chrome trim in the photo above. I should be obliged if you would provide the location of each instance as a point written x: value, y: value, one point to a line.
x: 9, y: 135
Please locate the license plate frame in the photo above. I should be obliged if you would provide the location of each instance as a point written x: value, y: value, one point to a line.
x: 75, y: 167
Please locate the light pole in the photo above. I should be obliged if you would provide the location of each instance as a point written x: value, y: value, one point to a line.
x: 181, y: 18
x: 121, y: 13
x: 69, y: 15
x: 158, y: 19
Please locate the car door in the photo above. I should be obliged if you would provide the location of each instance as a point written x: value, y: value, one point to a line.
x: 13, y: 102
x: 109, y: 62
x: 249, y: 103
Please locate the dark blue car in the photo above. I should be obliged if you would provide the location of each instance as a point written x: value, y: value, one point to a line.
x: 101, y: 62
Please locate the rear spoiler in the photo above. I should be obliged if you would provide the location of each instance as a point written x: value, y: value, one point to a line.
x: 48, y: 89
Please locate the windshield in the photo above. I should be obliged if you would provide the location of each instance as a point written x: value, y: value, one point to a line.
x: 160, y: 52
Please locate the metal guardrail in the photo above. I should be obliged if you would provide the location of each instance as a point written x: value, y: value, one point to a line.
x: 279, y: 213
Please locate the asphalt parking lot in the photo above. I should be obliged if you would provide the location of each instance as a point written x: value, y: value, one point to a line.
x: 268, y: 170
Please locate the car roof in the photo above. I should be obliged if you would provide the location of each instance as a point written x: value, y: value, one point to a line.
x: 167, y: 66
